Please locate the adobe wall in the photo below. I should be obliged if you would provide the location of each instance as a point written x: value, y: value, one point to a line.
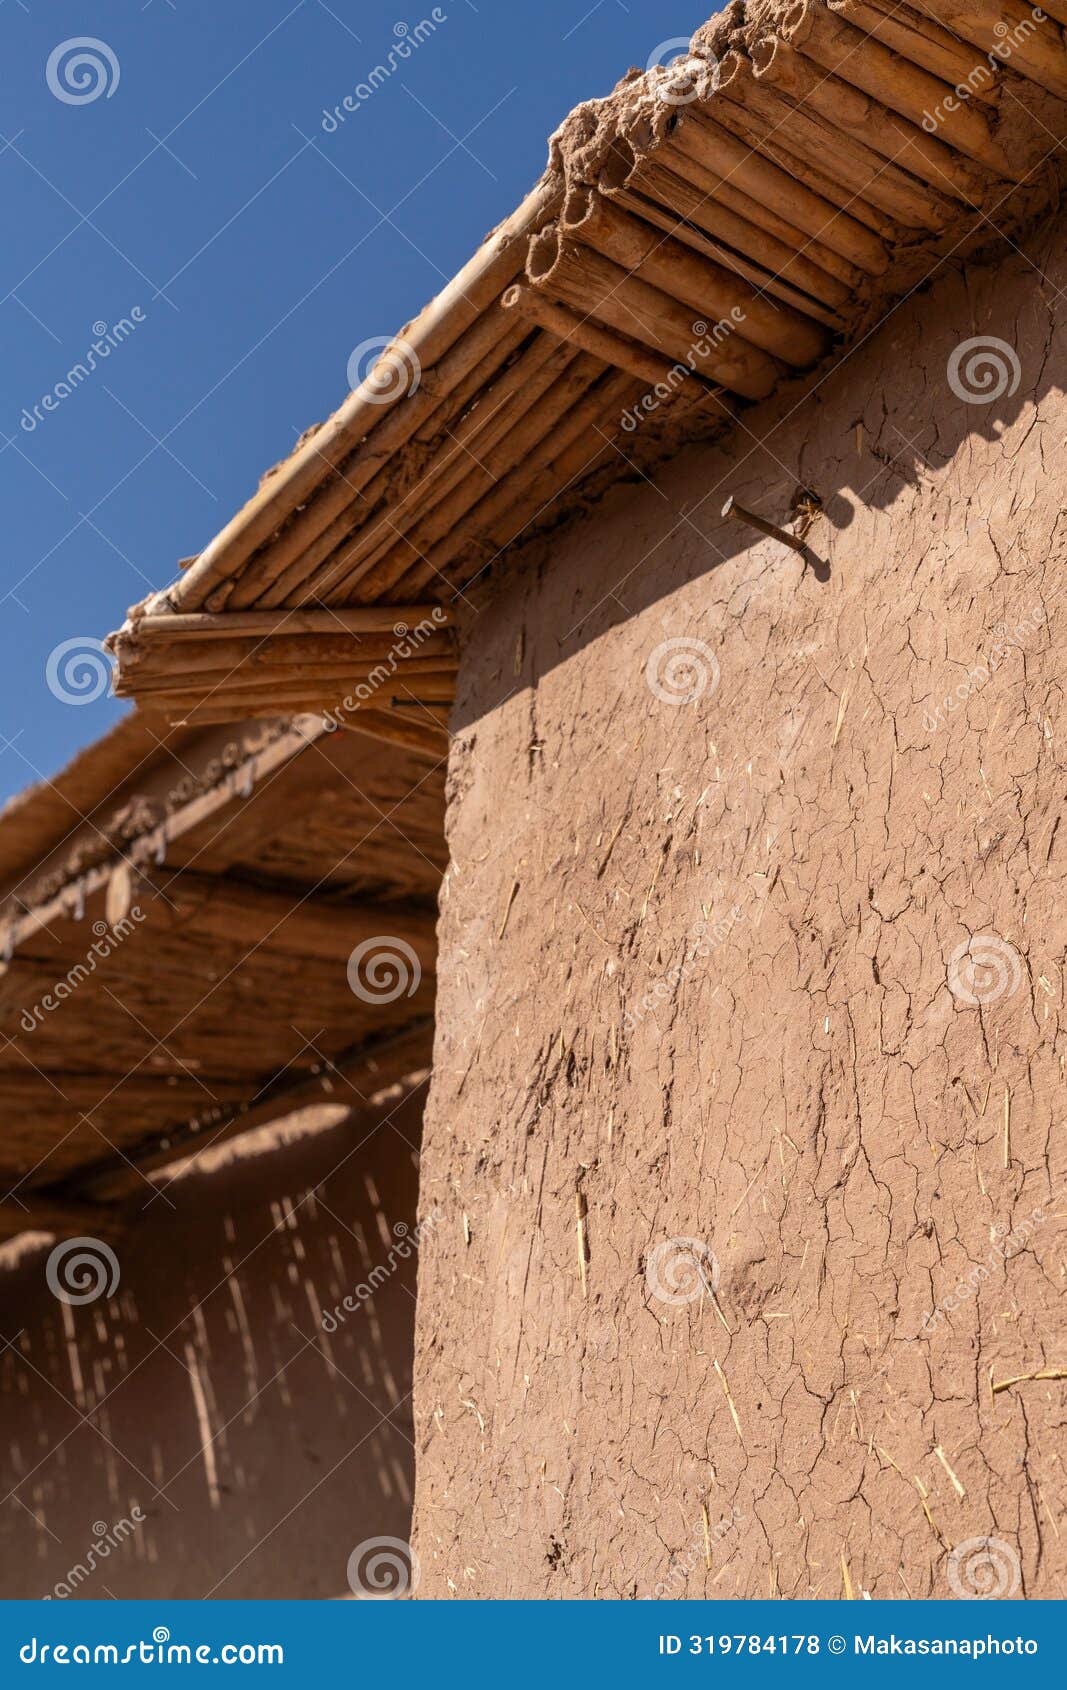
x: 701, y: 979
x: 203, y: 1423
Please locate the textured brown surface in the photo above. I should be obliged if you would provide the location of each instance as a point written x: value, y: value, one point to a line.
x: 117, y: 1036
x: 805, y: 1092
x: 301, y: 1446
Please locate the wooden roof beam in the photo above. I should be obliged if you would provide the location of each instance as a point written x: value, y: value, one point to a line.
x: 218, y: 907
x: 356, y: 1077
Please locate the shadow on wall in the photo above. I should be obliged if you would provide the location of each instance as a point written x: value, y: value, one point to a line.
x: 960, y: 362
x: 222, y: 1425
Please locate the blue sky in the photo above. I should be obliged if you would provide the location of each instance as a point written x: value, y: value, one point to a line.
x: 226, y: 253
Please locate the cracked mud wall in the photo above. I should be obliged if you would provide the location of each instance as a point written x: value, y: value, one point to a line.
x: 775, y: 971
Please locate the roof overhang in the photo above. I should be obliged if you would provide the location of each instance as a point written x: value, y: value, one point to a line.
x: 180, y: 926
x: 711, y: 230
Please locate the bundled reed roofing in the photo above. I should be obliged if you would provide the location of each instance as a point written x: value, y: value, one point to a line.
x: 710, y: 230
x: 178, y: 920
